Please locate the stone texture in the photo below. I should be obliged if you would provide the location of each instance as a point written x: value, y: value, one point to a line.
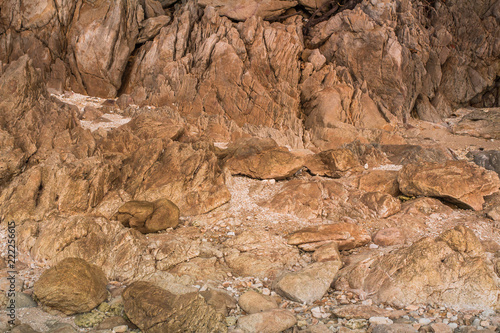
x: 100, y: 40
x: 254, y: 302
x: 346, y: 235
x: 354, y: 311
x: 449, y: 270
x: 380, y: 181
x: 149, y: 216
x: 241, y: 10
x: 72, y: 286
x: 262, y: 159
x: 154, y: 309
x: 308, y: 284
x: 383, y: 204
x: 220, y: 300
x: 489, y: 159
x: 484, y: 123
x: 327, y: 252
x: 259, y: 253
x: 456, y: 181
x: 389, y: 237
x: 273, y: 321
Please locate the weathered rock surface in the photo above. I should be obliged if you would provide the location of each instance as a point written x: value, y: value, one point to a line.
x: 489, y: 159
x: 380, y: 181
x: 241, y: 10
x: 346, y: 235
x: 484, y: 123
x: 361, y: 312
x: 389, y: 236
x: 253, y: 302
x: 149, y: 216
x: 154, y: 309
x: 308, y: 284
x: 258, y: 253
x: 273, y: 321
x: 383, y: 204
x: 262, y: 159
x: 72, y: 286
x: 327, y: 252
x: 449, y: 270
x: 456, y: 181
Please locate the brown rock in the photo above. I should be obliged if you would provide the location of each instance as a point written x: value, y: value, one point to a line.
x: 346, y: 235
x: 299, y: 197
x: 410, y: 154
x: 72, y: 286
x: 90, y: 113
x: 380, y: 181
x: 154, y: 309
x: 220, y: 300
x: 484, y: 123
x: 254, y: 302
x: 149, y: 217
x: 241, y: 10
x: 389, y: 236
x: 259, y: 253
x: 151, y: 27
x: 383, y: 204
x: 273, y: 321
x: 95, y: 49
x: 340, y: 161
x: 111, y: 322
x: 447, y: 271
x: 327, y: 252
x: 262, y: 159
x: 459, y: 182
x: 360, y: 312
x: 440, y: 328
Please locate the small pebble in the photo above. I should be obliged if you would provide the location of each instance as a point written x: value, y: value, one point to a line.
x: 453, y: 325
x: 380, y: 321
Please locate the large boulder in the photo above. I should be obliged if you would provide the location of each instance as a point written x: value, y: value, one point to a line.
x: 273, y: 321
x: 155, y: 310
x: 72, y: 286
x: 449, y: 270
x: 262, y: 159
x: 459, y: 182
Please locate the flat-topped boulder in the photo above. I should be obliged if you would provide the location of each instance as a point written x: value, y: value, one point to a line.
x: 459, y: 182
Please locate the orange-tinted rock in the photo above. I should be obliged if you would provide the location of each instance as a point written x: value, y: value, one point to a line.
x: 346, y: 235
x: 262, y: 159
x: 388, y: 237
x: 382, y: 204
x: 380, y: 181
x: 459, y: 182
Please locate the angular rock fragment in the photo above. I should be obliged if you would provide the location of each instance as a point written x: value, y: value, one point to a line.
x: 308, y: 284
x: 72, y: 286
x: 459, y: 182
x: 155, y: 310
x: 484, y: 123
x: 346, y: 235
x: 382, y: 204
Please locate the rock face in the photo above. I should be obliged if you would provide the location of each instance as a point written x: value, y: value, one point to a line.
x: 346, y: 235
x: 241, y: 10
x: 456, y: 181
x: 254, y: 302
x: 72, y: 286
x: 450, y: 270
x: 149, y: 216
x: 154, y: 309
x: 309, y: 284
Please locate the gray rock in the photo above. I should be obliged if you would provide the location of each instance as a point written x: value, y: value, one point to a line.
x: 394, y: 328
